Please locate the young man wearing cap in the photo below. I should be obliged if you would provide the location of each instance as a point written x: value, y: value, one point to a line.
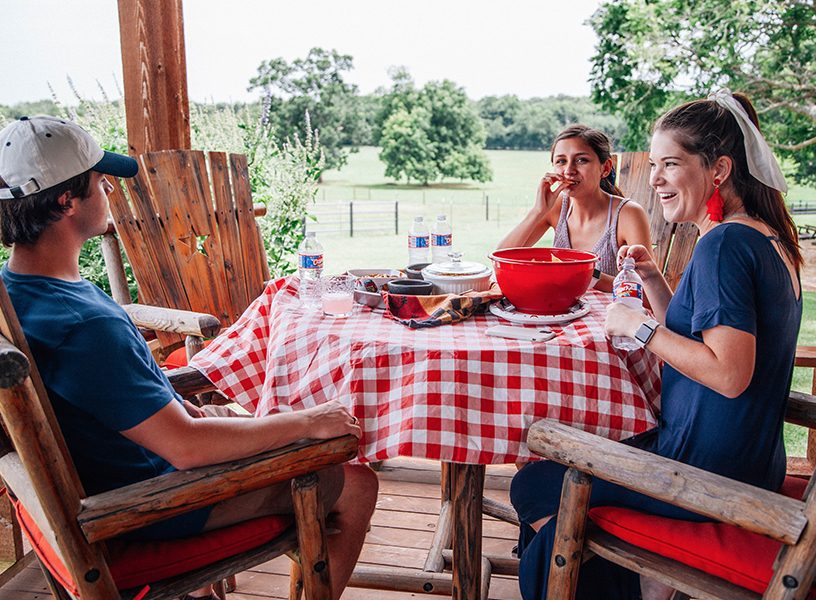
x: 121, y: 420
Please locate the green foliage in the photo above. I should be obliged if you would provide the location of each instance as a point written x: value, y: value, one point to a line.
x: 533, y: 124
x: 406, y: 148
x: 28, y: 109
x: 430, y: 133
x: 655, y: 54
x: 314, y: 85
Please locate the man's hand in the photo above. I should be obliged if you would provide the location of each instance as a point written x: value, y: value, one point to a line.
x: 193, y: 410
x: 332, y: 419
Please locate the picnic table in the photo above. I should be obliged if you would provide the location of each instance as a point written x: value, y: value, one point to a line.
x: 449, y: 393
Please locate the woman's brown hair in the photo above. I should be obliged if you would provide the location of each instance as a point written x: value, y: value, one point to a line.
x: 708, y: 130
x: 600, y: 145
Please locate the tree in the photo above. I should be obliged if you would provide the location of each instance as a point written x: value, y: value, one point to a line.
x: 406, y: 148
x: 654, y: 54
x: 444, y: 135
x: 314, y: 85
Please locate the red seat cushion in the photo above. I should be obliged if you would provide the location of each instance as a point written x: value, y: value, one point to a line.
x: 737, y: 555
x: 135, y: 564
x: 178, y: 358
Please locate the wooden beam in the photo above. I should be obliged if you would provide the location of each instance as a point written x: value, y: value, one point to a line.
x: 155, y: 75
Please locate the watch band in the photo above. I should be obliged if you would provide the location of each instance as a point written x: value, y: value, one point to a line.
x: 596, y: 277
x: 645, y: 332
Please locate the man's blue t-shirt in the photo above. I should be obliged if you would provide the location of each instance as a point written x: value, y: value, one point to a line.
x: 101, y: 379
x: 736, y: 278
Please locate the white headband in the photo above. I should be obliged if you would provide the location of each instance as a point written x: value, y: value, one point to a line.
x: 761, y: 161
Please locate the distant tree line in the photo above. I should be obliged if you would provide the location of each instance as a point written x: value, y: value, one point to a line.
x: 533, y: 124
x: 426, y: 133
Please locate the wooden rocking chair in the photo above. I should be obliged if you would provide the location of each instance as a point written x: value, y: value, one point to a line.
x: 187, y: 226
x: 763, y: 546
x: 73, y: 534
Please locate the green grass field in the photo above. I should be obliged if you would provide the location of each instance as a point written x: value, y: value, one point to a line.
x: 480, y: 215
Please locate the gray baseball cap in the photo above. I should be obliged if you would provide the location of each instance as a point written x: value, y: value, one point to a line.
x: 37, y: 153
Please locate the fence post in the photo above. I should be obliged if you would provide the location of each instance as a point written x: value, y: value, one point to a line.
x: 487, y: 208
x: 396, y: 217
x: 351, y: 218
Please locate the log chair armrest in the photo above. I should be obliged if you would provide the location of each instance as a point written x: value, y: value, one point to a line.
x: 184, y: 322
x: 715, y: 496
x: 187, y: 381
x: 113, y: 513
x: 801, y: 410
x: 14, y: 365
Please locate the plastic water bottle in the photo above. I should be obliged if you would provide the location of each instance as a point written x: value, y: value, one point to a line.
x: 441, y: 238
x: 418, y: 242
x: 310, y: 269
x: 628, y: 289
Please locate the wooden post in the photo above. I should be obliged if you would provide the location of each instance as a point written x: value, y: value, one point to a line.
x: 155, y: 75
x: 311, y: 532
x: 569, y: 534
x: 468, y: 488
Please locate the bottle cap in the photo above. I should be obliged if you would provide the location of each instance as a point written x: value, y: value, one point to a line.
x: 440, y: 217
x: 310, y: 234
x: 417, y: 218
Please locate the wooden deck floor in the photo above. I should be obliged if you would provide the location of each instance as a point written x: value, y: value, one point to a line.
x: 401, y: 532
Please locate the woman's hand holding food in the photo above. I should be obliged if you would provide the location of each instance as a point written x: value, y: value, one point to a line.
x: 546, y: 195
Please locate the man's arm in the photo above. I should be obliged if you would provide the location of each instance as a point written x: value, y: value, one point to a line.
x: 187, y: 442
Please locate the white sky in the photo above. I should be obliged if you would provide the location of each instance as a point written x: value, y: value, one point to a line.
x: 489, y: 47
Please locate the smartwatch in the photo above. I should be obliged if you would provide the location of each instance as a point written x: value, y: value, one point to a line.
x: 645, y: 332
x: 596, y: 277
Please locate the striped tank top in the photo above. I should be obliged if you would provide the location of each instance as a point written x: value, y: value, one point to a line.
x: 607, y: 245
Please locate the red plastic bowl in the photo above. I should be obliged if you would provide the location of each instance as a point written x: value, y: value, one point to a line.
x: 535, y: 284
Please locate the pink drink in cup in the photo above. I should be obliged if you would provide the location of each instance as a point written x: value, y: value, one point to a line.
x: 338, y: 295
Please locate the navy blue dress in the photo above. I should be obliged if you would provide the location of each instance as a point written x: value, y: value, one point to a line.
x: 736, y: 278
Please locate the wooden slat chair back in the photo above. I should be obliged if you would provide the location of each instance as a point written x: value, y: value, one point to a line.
x: 188, y: 229
x: 39, y: 473
x: 673, y: 243
x: 776, y: 516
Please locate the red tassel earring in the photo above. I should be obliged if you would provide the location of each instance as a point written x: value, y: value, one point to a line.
x: 715, y: 204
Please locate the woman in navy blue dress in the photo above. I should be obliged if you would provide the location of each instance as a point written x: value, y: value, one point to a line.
x: 727, y: 335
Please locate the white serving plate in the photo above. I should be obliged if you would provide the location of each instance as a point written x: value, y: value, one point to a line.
x: 507, y: 311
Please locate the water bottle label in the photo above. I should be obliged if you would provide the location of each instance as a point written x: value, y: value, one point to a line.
x: 418, y: 241
x: 627, y: 289
x: 441, y: 240
x: 310, y: 261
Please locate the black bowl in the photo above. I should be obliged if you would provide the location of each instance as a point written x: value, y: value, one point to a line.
x: 410, y: 287
x: 415, y: 271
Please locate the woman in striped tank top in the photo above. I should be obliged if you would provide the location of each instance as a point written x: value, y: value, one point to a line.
x: 592, y: 214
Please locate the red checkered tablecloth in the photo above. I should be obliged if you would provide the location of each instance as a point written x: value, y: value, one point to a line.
x: 450, y: 393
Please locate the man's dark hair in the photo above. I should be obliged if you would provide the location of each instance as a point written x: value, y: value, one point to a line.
x: 22, y: 220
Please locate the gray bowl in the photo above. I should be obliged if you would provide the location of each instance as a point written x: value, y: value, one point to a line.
x: 410, y: 287
x: 415, y: 271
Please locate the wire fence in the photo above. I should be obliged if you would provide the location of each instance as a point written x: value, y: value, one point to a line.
x: 351, y: 217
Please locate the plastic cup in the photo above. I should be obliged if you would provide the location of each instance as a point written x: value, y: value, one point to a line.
x: 337, y: 295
